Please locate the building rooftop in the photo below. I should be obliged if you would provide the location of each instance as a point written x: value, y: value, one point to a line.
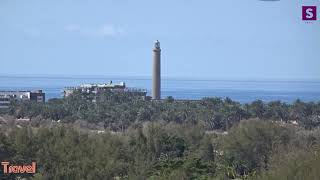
x: 104, y: 85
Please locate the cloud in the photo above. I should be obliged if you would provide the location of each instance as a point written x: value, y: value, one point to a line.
x: 107, y: 30
x: 32, y: 31
x: 72, y: 28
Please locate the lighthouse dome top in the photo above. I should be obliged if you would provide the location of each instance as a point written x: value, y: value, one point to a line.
x: 157, y: 44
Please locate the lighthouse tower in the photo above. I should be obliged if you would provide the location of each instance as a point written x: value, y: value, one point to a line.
x: 156, y: 74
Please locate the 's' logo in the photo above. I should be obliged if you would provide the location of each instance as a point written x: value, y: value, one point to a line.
x: 309, y: 13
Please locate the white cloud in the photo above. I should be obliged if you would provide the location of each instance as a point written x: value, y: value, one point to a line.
x: 107, y: 30
x: 72, y: 28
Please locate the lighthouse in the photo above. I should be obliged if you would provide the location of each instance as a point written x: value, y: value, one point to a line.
x: 156, y: 73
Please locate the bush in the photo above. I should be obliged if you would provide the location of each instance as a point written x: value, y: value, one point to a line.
x: 249, y: 146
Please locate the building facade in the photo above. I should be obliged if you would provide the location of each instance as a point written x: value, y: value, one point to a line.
x: 7, y: 96
x: 100, y: 88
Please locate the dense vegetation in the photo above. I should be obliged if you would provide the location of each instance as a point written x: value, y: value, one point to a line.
x: 167, y: 139
x: 252, y: 149
x: 120, y: 111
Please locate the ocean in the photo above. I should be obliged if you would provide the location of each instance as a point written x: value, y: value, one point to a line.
x: 178, y: 88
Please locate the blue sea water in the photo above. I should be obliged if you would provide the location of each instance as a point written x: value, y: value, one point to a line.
x: 239, y: 90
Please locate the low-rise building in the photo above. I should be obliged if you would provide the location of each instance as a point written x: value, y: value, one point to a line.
x: 100, y: 88
x: 7, y: 96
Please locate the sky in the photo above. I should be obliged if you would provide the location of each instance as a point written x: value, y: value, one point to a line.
x: 211, y: 39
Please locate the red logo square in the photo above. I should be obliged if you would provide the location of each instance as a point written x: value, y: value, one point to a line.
x: 309, y: 13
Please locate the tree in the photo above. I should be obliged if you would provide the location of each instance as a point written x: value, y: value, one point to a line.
x: 249, y: 146
x: 257, y: 109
